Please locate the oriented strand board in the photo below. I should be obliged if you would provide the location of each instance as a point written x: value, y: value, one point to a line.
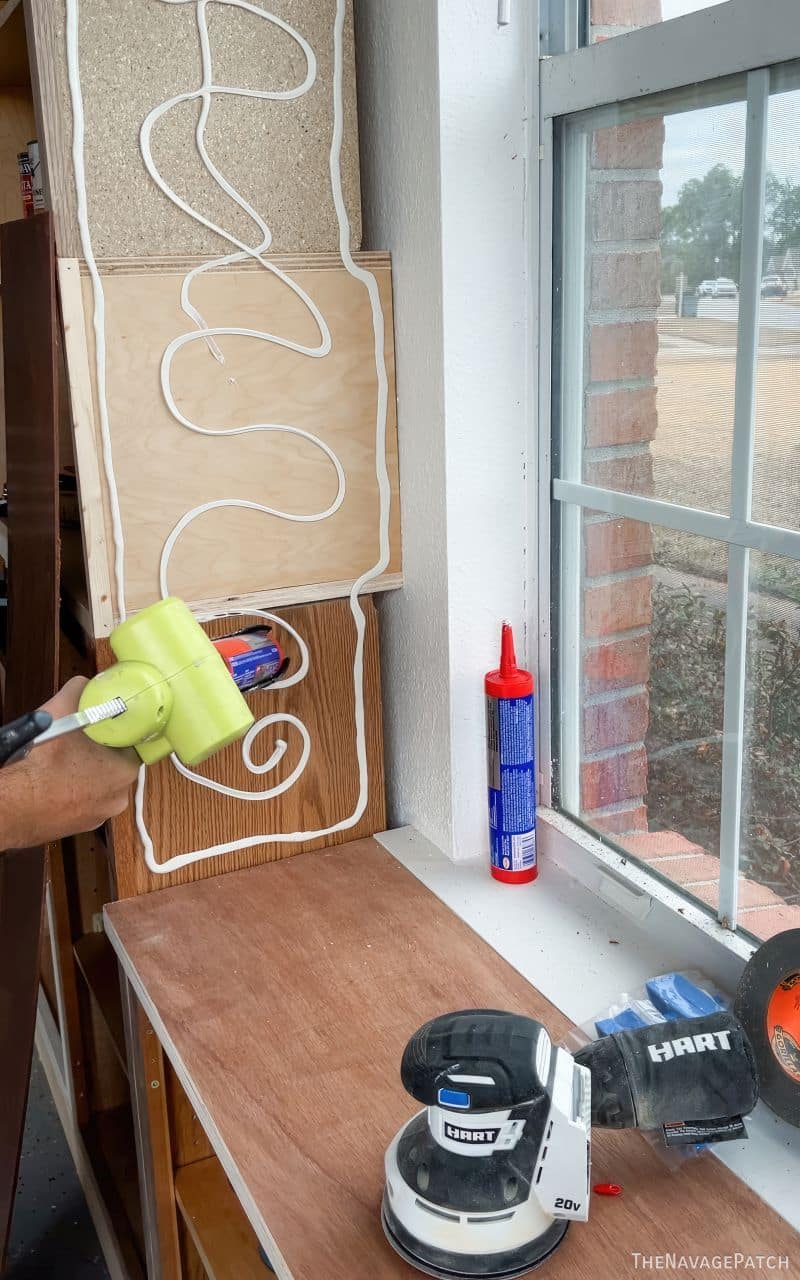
x: 284, y: 997
x: 182, y: 816
x: 135, y: 54
x: 163, y: 470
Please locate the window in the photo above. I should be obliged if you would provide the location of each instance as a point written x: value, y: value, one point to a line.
x: 676, y: 450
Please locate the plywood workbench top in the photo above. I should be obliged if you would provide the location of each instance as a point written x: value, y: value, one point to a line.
x: 284, y: 995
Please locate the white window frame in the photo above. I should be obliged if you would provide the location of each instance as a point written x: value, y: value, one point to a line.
x: 733, y: 38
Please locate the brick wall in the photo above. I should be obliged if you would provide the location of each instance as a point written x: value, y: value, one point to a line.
x: 623, y: 293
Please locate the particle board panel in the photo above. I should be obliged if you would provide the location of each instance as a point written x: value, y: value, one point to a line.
x: 164, y: 470
x: 135, y: 54
x: 182, y: 815
x: 222, y: 1236
x: 284, y: 997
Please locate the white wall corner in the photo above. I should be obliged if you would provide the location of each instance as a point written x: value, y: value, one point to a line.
x: 444, y: 109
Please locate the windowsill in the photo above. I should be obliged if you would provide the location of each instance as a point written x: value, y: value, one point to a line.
x: 581, y: 952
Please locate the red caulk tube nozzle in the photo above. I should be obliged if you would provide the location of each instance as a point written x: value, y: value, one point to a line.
x: 508, y: 658
x: 512, y: 773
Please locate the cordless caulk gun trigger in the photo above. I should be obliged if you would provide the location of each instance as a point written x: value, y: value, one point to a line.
x: 177, y: 689
x: 169, y: 691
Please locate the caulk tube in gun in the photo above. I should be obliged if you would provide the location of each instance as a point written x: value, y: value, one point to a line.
x: 512, y: 772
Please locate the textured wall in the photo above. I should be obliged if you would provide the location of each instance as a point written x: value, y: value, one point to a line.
x: 443, y: 100
x: 397, y: 59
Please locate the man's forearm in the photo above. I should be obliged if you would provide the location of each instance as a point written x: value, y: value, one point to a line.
x: 17, y: 805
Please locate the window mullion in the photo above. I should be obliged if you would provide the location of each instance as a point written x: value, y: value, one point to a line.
x: 547, y: 518
x: 753, y: 196
x: 571, y: 382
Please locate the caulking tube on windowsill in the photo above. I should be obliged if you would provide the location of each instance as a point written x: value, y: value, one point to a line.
x: 512, y: 772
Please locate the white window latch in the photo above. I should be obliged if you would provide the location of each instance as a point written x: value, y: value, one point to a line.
x: 503, y: 12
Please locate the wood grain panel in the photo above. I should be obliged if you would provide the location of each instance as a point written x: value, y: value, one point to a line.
x: 27, y: 268
x: 27, y: 265
x: 187, y: 1136
x: 134, y: 56
x: 163, y: 470
x: 284, y: 996
x: 224, y: 1239
x: 157, y: 1187
x: 182, y: 815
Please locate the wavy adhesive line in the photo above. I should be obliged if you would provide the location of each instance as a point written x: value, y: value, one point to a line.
x: 208, y: 334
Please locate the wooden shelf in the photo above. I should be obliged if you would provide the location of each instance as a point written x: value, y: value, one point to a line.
x: 97, y: 965
x: 215, y: 1220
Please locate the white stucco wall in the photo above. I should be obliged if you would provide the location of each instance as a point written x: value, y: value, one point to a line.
x: 444, y: 111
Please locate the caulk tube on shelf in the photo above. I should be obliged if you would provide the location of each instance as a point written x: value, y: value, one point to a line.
x: 512, y: 772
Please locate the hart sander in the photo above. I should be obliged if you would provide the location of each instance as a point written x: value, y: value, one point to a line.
x: 485, y: 1180
x: 169, y: 691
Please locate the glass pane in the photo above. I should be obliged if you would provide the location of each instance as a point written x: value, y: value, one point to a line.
x: 652, y: 664
x: 769, y: 891
x: 662, y: 235
x: 776, y: 476
x: 615, y: 17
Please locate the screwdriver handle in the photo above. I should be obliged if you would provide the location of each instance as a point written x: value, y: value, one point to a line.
x: 20, y: 733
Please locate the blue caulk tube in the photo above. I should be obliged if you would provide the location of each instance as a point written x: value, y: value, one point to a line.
x: 512, y: 771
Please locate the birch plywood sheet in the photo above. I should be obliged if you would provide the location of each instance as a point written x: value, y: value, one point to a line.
x: 182, y: 816
x: 320, y: 411
x: 134, y: 55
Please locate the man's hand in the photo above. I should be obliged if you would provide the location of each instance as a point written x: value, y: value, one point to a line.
x: 65, y: 786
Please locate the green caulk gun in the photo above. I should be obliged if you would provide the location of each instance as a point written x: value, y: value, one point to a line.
x: 169, y: 691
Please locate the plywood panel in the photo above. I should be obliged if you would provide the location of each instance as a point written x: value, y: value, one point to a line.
x: 285, y: 996
x: 164, y: 470
x: 276, y: 153
x: 182, y: 816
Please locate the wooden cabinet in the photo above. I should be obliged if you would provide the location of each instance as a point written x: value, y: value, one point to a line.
x: 270, y: 447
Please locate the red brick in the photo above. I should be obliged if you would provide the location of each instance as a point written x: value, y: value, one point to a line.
x: 621, y: 822
x: 686, y: 871
x: 629, y: 146
x: 626, y: 210
x: 750, y: 895
x: 626, y: 280
x: 618, y: 606
x: 628, y: 474
x: 616, y: 666
x: 617, y: 544
x: 765, y: 922
x: 623, y: 350
x: 616, y: 723
x: 656, y: 844
x: 619, y: 777
x: 625, y: 13
x: 621, y: 417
